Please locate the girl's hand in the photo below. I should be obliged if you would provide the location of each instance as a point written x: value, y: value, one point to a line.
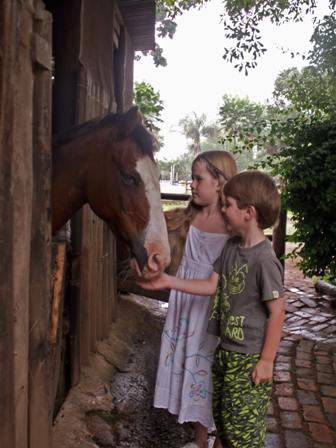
x: 161, y: 282
x: 262, y: 372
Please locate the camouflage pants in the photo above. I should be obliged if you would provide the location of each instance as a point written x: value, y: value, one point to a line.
x: 239, y: 407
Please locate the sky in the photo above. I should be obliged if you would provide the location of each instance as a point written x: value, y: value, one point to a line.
x: 197, y: 77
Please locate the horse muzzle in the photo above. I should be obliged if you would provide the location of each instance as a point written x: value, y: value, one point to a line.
x: 139, y: 252
x: 150, y: 261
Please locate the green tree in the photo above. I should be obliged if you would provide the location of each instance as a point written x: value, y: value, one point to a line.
x: 194, y: 127
x: 149, y: 104
x: 305, y: 134
x: 241, y: 22
x: 242, y: 18
x: 166, y: 13
x: 182, y: 166
x: 240, y: 122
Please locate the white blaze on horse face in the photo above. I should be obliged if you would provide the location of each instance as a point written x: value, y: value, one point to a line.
x: 156, y: 237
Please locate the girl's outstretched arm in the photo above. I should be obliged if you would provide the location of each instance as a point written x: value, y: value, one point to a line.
x: 205, y: 287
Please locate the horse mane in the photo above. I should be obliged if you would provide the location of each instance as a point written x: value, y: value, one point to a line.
x: 146, y: 141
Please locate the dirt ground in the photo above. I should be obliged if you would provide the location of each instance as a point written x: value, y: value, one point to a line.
x: 112, y: 406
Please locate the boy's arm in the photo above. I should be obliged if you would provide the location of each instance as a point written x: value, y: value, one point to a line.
x: 205, y: 287
x: 264, y: 368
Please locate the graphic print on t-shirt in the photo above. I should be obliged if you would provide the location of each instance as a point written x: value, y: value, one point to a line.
x: 232, y: 284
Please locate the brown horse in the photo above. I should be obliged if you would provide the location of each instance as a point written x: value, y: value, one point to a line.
x: 109, y: 164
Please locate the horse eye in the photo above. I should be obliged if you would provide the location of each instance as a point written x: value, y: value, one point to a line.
x: 131, y: 181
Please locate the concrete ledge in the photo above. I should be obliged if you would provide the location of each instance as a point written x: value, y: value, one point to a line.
x: 325, y: 288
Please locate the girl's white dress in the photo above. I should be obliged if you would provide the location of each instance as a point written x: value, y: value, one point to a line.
x: 183, y: 382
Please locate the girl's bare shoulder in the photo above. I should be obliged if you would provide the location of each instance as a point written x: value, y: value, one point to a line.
x: 213, y: 224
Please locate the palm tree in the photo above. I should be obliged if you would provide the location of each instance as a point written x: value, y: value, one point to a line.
x: 193, y: 128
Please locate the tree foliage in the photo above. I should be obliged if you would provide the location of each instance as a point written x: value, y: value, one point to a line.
x: 308, y: 171
x: 239, y: 121
x: 149, y: 104
x: 241, y: 22
x: 194, y: 127
x: 304, y: 131
x: 166, y: 13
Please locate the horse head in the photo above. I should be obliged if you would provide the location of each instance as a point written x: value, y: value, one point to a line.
x: 113, y: 169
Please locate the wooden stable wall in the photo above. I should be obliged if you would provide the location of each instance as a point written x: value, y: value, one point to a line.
x: 93, y: 76
x: 25, y: 126
x: 29, y: 365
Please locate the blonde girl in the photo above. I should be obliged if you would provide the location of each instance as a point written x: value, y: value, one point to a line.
x: 197, y: 235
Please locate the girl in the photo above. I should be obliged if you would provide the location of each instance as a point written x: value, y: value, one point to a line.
x: 183, y: 384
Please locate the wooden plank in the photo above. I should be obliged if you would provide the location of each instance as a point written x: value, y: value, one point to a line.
x: 57, y: 295
x: 8, y: 12
x: 40, y: 379
x: 85, y: 334
x: 101, y: 302
x: 41, y: 52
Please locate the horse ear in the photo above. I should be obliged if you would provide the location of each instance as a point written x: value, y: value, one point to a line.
x: 128, y: 122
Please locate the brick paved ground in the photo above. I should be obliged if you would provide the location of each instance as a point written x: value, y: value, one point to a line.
x: 303, y: 409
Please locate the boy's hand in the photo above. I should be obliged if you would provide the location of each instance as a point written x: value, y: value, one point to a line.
x: 160, y: 282
x: 262, y: 372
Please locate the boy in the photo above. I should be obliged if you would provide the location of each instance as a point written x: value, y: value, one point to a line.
x: 248, y: 311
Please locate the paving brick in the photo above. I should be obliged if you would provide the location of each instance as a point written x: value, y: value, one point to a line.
x: 321, y: 348
x: 280, y: 376
x: 323, y: 359
x: 303, y: 355
x: 332, y: 421
x: 286, y: 342
x: 293, y: 319
x: 298, y: 304
x: 284, y: 350
x: 288, y: 403
x: 306, y: 397
x: 291, y: 420
x: 329, y: 391
x: 313, y: 414
x: 283, y: 358
x: 330, y: 330
x: 270, y: 409
x: 320, y: 327
x: 284, y: 389
x: 307, y: 384
x: 325, y: 378
x: 306, y: 373
x: 309, y: 302
x: 282, y: 366
x: 304, y: 391
x: 324, y: 368
x: 321, y: 433
x: 272, y: 424
x: 320, y: 351
x: 296, y: 439
x: 273, y: 441
x: 303, y: 363
x: 290, y: 308
x: 303, y: 314
x: 318, y: 318
x: 329, y: 405
x: 323, y: 445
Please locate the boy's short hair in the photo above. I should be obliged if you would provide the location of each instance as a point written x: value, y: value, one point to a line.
x: 257, y: 189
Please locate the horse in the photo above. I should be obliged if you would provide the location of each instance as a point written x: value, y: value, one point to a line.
x: 109, y: 164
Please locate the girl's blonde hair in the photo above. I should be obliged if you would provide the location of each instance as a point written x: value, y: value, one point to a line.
x: 222, y: 166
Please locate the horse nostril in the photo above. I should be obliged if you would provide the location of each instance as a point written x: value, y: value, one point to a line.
x: 155, y: 262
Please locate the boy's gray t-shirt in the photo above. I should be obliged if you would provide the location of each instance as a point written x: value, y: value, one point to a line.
x: 247, y: 278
